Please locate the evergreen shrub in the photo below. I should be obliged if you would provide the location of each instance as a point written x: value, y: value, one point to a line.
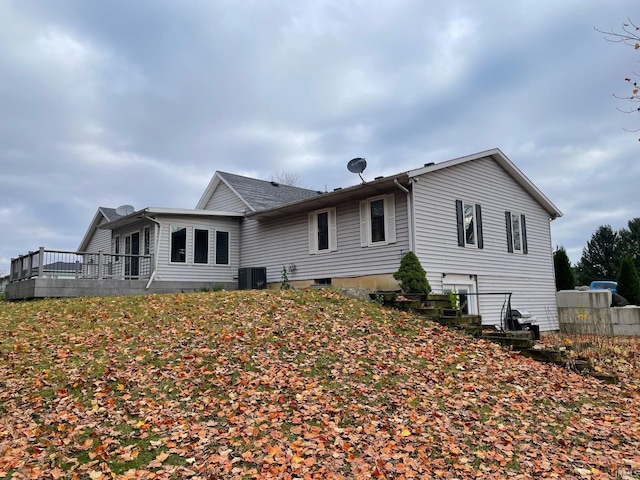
x: 411, y: 275
x: 628, y: 281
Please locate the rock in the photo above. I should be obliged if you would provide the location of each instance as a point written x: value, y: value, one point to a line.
x: 618, y: 300
x: 359, y: 293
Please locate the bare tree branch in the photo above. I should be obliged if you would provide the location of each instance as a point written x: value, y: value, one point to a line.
x: 288, y: 177
x: 629, y: 35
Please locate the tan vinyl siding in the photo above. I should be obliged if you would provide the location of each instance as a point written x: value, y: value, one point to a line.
x: 274, y: 243
x: 529, y: 276
x: 223, y: 199
x: 101, y: 240
x: 534, y: 294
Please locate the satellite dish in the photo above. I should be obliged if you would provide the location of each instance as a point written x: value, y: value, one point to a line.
x: 357, y: 165
x: 124, y: 210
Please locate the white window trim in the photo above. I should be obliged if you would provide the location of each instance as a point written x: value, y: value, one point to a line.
x: 389, y: 221
x: 116, y: 248
x: 215, y: 251
x: 186, y: 244
x: 313, y: 231
x: 475, y: 225
x: 513, y: 237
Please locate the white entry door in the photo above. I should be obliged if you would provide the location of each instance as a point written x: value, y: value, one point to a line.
x: 462, y: 285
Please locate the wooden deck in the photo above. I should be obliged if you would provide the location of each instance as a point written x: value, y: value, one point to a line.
x: 56, y: 273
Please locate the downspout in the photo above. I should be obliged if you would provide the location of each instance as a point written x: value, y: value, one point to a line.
x: 409, y: 213
x: 157, y: 251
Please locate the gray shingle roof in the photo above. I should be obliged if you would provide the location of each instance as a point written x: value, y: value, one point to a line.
x: 110, y: 213
x: 262, y: 194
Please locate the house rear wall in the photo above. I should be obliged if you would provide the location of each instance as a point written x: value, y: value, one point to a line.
x: 285, y: 241
x: 529, y: 276
x: 224, y: 199
x: 101, y: 240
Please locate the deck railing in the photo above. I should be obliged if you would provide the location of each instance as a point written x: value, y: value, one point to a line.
x: 63, y: 264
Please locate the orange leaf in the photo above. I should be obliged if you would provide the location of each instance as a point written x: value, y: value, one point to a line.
x: 162, y: 457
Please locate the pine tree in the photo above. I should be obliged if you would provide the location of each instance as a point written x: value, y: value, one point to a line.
x: 565, y: 279
x: 630, y: 241
x: 601, y: 257
x: 411, y: 275
x: 628, y: 281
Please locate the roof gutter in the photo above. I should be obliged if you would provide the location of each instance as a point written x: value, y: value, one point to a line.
x: 375, y: 187
x: 400, y: 186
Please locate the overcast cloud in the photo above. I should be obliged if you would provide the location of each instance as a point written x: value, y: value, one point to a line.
x: 116, y: 102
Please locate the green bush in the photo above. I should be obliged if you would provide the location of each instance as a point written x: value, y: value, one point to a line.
x: 411, y: 275
x: 628, y: 281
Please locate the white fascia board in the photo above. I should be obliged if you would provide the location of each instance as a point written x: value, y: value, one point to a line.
x: 213, y: 184
x: 153, y: 212
x: 187, y: 211
x: 208, y: 192
x: 92, y: 228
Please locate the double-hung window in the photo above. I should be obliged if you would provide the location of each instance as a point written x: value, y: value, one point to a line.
x: 516, y: 232
x: 469, y: 221
x: 322, y: 231
x: 378, y: 221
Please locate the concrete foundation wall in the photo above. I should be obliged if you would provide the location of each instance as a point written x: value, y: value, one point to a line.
x: 57, y: 288
x: 368, y: 282
x: 589, y: 312
x: 625, y: 320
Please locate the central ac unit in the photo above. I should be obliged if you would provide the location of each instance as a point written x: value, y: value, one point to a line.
x: 252, y: 278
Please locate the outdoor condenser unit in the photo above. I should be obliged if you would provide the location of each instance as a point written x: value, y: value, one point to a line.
x: 252, y: 278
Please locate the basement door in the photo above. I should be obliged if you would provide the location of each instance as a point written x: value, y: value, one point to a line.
x: 463, y: 285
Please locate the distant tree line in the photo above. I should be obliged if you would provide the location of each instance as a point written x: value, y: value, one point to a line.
x: 609, y: 255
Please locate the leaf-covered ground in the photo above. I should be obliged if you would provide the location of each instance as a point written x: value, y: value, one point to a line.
x: 290, y: 384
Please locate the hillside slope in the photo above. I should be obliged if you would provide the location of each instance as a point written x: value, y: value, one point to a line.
x: 289, y: 384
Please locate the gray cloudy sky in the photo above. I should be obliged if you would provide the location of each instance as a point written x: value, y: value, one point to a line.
x: 105, y: 103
